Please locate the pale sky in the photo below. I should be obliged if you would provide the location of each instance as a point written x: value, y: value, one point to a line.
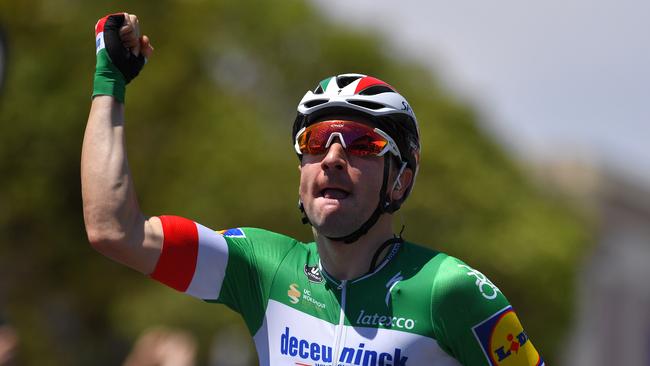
x: 550, y: 78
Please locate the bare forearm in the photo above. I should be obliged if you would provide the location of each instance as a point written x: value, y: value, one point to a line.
x: 108, y: 197
x: 114, y: 222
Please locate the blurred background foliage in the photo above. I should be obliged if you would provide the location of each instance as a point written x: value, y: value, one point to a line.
x: 208, y: 125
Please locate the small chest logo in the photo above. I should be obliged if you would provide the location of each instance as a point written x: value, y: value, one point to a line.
x: 293, y: 293
x: 313, y: 274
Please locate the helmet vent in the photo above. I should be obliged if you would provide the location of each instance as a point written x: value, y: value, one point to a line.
x: 315, y: 102
x: 344, y: 80
x: 366, y: 104
x: 318, y: 90
x: 377, y: 89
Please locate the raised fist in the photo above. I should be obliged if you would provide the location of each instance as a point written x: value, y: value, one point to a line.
x: 119, y: 35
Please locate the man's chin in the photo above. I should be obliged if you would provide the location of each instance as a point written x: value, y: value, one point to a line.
x: 332, y: 234
x: 334, y: 227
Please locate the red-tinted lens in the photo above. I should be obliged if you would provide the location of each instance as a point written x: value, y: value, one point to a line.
x: 367, y: 145
x: 359, y: 139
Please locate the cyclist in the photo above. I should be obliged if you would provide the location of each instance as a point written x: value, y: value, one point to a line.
x: 358, y: 294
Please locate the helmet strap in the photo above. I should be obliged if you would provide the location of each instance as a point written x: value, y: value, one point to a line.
x: 393, y: 206
x: 301, y: 207
x: 397, y: 185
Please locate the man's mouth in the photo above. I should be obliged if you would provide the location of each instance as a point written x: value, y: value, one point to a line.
x: 334, y: 193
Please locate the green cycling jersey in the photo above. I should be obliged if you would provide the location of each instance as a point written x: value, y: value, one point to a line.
x: 418, y: 307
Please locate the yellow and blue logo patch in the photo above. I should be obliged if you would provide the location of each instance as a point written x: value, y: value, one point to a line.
x: 505, y: 342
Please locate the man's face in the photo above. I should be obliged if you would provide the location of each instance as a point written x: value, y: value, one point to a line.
x: 339, y: 191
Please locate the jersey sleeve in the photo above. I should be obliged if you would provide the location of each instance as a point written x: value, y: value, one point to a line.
x: 234, y: 267
x: 474, y: 322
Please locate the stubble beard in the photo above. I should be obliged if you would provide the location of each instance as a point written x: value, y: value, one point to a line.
x: 337, y: 223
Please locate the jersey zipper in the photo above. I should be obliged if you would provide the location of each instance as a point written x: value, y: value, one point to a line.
x: 339, y: 337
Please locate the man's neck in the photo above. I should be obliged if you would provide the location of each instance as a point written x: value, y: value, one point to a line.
x: 350, y: 261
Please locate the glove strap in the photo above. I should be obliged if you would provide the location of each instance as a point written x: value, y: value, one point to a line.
x: 108, y: 79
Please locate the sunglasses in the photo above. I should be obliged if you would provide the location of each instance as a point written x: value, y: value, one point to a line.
x: 356, y: 138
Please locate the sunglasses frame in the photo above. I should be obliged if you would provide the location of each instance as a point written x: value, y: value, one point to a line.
x: 390, y: 146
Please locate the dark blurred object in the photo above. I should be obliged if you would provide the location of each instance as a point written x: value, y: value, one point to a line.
x: 8, y: 345
x: 163, y: 347
x: 3, y: 57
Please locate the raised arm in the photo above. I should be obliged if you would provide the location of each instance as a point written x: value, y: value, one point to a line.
x: 114, y: 223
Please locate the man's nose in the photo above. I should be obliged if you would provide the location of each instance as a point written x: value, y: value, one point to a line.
x: 335, y: 158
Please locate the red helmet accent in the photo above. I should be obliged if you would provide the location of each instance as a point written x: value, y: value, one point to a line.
x: 369, y: 81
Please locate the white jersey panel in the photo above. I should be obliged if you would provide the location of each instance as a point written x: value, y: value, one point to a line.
x: 291, y: 337
x: 211, y: 264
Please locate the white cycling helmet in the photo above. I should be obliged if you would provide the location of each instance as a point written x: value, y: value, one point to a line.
x: 357, y: 92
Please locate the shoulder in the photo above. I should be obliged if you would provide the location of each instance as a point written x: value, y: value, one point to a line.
x: 258, y: 237
x: 459, y: 284
x: 471, y: 318
x: 262, y: 244
x: 476, y: 322
x: 256, y: 234
x: 454, y: 288
x: 451, y: 279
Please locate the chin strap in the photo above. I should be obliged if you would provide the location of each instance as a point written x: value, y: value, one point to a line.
x: 301, y: 207
x: 393, y: 206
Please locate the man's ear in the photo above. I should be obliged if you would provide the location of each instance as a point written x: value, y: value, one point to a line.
x: 404, y: 182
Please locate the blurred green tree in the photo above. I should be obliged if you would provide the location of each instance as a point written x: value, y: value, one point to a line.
x: 226, y: 76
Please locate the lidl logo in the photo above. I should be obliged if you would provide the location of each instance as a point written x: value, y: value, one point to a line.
x: 505, y: 342
x: 512, y: 345
x: 233, y: 233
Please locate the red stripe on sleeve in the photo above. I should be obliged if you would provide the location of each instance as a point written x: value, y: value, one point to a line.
x: 177, y: 260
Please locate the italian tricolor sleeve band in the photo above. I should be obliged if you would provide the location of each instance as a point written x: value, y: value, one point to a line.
x: 108, y: 79
x: 193, y: 258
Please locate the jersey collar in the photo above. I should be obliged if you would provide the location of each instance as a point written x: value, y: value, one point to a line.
x: 391, y: 255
